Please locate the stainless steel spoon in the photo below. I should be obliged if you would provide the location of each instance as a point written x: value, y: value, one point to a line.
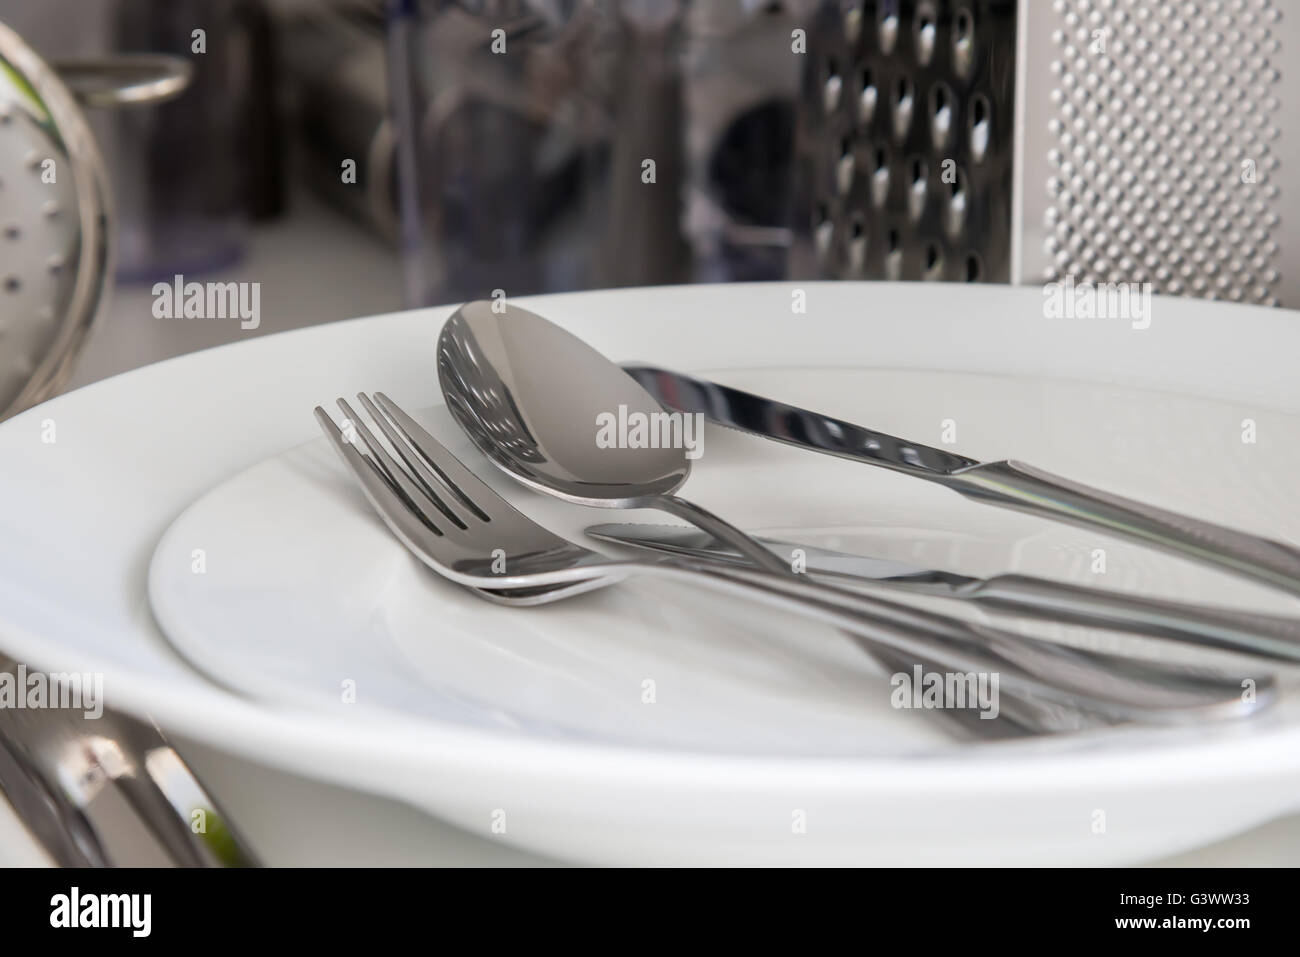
x: 532, y: 397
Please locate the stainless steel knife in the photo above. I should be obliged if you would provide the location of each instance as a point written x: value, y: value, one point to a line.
x: 1270, y: 636
x: 1007, y: 484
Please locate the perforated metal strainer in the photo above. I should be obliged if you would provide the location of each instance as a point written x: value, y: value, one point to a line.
x: 55, y: 250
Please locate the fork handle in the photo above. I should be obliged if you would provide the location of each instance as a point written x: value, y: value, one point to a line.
x: 1025, y: 488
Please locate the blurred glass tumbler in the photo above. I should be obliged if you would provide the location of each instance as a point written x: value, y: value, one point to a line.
x: 179, y: 169
x: 501, y: 142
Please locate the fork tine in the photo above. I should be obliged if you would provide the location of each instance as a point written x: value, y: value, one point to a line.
x: 398, y: 514
x: 420, y: 501
x: 428, y: 481
x: 460, y: 481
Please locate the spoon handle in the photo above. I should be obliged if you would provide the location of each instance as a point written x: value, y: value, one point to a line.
x: 722, y: 530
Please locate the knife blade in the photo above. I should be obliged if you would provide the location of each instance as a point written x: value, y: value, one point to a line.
x: 1007, y: 484
x: 1268, y: 636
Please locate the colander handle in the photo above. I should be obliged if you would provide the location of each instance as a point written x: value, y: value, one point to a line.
x: 135, y: 79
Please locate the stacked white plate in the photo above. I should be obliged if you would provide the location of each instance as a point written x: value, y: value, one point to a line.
x: 183, y: 530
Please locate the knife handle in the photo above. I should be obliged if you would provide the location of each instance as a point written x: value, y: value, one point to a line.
x: 1027, y: 489
x: 1273, y: 636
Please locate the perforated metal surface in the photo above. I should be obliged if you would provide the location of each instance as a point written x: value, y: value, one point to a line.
x: 53, y: 228
x: 905, y: 141
x: 1158, y: 136
x: 39, y: 231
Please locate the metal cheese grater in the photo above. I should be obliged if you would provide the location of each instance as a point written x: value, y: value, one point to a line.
x: 905, y: 141
x: 1107, y: 140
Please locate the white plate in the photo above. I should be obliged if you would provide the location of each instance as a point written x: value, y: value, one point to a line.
x: 284, y: 584
x: 131, y: 453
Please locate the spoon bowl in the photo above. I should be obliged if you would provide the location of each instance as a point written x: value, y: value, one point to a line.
x: 551, y: 411
x: 546, y: 408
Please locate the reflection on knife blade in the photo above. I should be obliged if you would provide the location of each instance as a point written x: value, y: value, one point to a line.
x: 790, y: 424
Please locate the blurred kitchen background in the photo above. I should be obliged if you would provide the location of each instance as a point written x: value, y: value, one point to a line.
x: 362, y: 156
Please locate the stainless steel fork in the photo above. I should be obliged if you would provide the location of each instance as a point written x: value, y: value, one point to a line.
x: 466, y: 532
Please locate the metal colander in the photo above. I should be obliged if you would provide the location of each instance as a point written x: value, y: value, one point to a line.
x: 55, y: 204
x: 53, y: 227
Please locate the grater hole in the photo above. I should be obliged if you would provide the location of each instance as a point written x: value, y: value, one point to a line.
x: 844, y: 167
x: 956, y: 206
x: 972, y: 268
x: 887, y: 26
x: 926, y: 33
x: 880, y: 177
x: 963, y: 25
x: 867, y: 97
x: 980, y: 126
x: 917, y: 189
x: 832, y: 86
x: 902, y: 106
x: 12, y: 231
x: 853, y: 23
x: 857, y: 249
x: 823, y: 231
x: 892, y: 240
x: 941, y: 107
x: 933, y: 261
x: 963, y: 42
x: 12, y: 284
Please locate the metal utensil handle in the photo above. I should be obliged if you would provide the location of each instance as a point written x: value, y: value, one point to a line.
x: 724, y: 531
x: 1273, y: 636
x: 1123, y: 688
x: 1027, y: 489
x: 109, y: 791
x: 135, y: 79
